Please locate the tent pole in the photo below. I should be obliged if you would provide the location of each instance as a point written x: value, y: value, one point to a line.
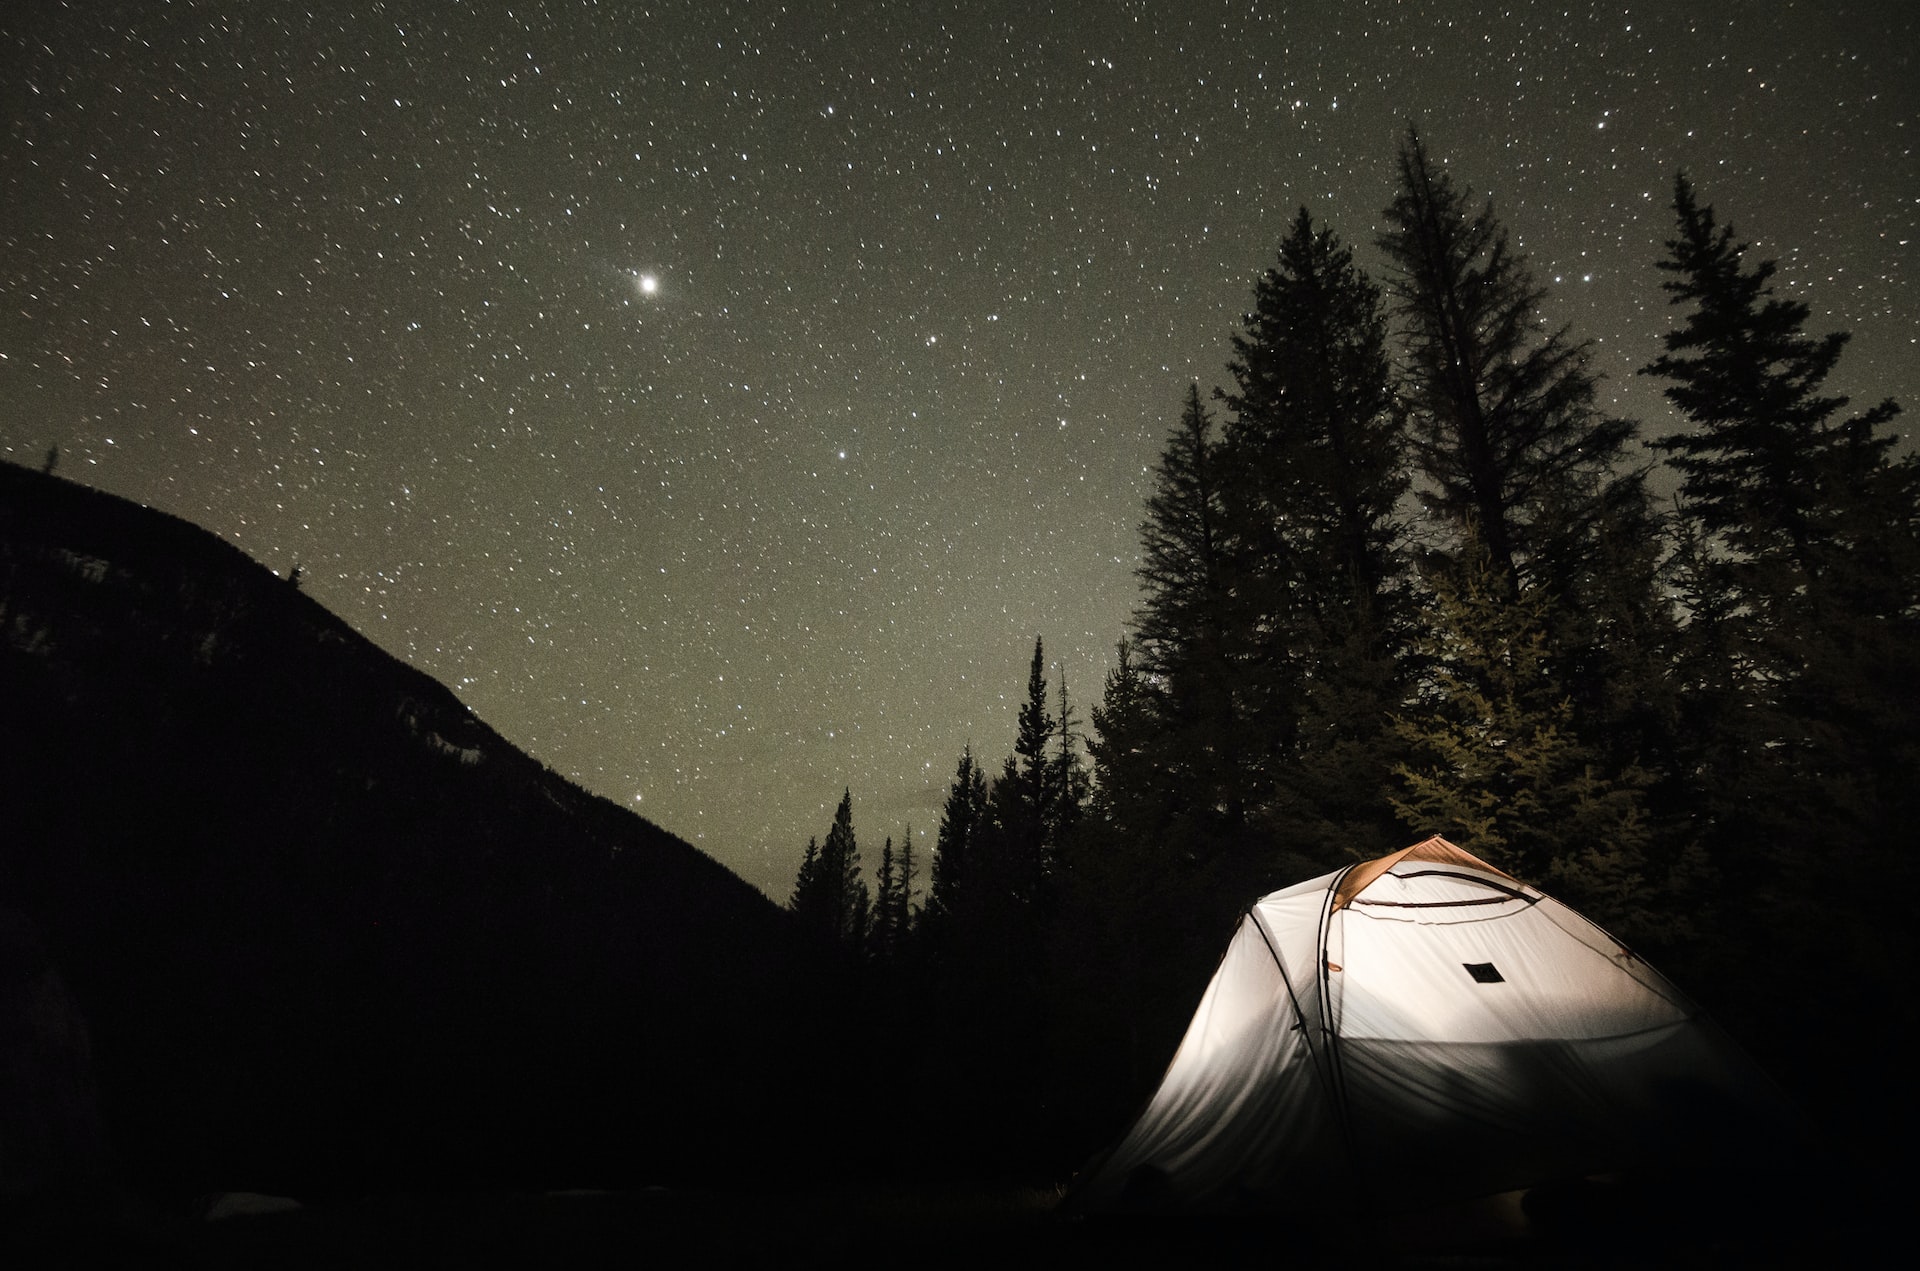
x: 1336, y: 1068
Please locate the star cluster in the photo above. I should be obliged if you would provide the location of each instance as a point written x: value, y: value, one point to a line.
x: 721, y: 397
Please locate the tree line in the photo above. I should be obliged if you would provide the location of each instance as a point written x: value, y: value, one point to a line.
x: 1406, y: 575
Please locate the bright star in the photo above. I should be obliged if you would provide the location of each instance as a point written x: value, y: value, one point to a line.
x: 647, y: 284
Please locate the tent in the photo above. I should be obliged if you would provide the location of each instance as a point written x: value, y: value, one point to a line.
x: 1426, y: 1013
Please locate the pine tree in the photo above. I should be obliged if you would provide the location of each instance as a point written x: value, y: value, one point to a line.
x: 1530, y: 481
x: 1316, y: 447
x: 892, y: 925
x: 1127, y: 795
x: 1188, y: 635
x: 1317, y: 457
x: 1035, y: 732
x: 903, y: 922
x: 962, y: 821
x: 884, y: 936
x: 829, y: 895
x: 1810, y: 524
x: 1808, y: 519
x: 1801, y: 656
x: 1068, y: 778
x: 1760, y: 465
x: 1504, y: 425
x: 1497, y: 764
x: 1182, y: 617
x: 807, y: 901
x: 840, y: 860
x: 1015, y: 853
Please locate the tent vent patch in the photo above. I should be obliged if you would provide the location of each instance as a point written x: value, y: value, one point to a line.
x: 1484, y: 972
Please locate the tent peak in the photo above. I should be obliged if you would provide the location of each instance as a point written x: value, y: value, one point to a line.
x: 1434, y: 849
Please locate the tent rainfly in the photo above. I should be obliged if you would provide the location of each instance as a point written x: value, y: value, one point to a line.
x: 1426, y: 1013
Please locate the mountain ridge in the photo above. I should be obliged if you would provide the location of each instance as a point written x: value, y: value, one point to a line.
x: 323, y: 924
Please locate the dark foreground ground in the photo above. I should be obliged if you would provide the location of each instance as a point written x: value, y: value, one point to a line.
x: 1809, y: 1222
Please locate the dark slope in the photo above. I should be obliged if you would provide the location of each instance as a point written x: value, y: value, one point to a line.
x: 327, y: 930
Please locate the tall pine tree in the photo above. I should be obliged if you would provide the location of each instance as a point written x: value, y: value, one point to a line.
x: 1317, y: 458
x: 1189, y: 636
x: 1806, y: 578
x: 1801, y: 656
x: 1764, y: 464
x: 1534, y: 497
x: 1316, y: 447
x: 1803, y: 579
x: 1504, y: 426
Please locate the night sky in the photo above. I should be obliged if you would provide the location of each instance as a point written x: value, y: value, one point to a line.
x: 720, y: 397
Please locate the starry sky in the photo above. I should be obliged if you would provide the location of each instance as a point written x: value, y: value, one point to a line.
x: 720, y: 396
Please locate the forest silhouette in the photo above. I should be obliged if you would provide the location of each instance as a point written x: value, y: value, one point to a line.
x: 1406, y: 576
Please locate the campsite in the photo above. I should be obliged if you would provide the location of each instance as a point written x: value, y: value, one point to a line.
x: 1536, y: 897
x: 1672, y: 1148
x: 895, y: 633
x: 306, y: 1094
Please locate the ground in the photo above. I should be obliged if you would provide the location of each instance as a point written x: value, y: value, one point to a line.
x: 1589, y: 1226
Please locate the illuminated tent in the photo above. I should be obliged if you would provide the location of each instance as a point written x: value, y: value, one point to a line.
x: 1425, y: 1014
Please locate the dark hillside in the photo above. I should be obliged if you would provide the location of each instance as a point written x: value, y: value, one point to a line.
x: 327, y: 930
